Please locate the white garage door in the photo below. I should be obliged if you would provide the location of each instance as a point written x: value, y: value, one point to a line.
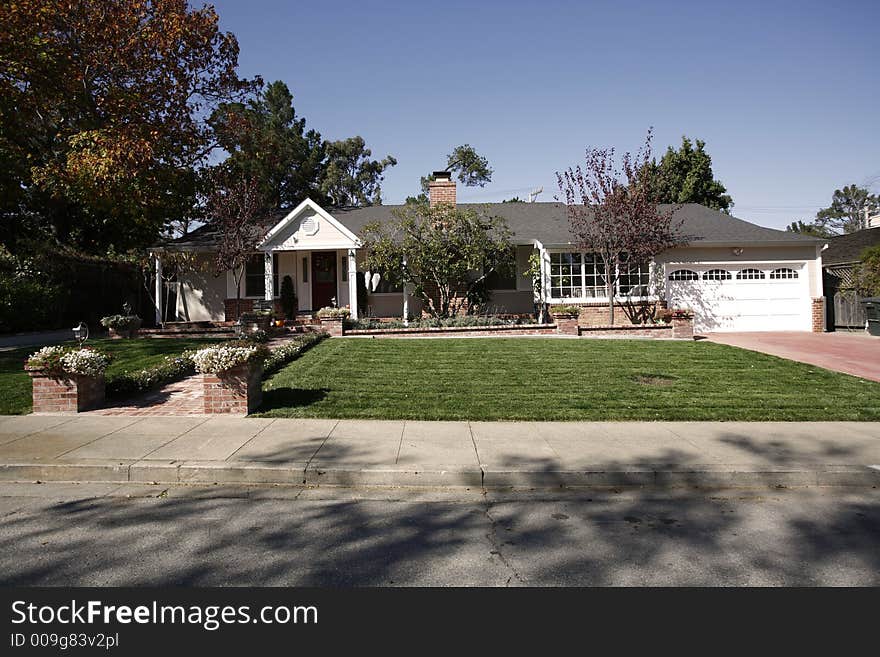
x: 746, y: 297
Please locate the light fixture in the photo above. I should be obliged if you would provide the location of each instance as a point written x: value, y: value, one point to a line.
x: 81, y: 333
x: 737, y: 250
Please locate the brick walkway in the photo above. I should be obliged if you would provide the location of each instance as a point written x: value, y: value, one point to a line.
x: 179, y: 398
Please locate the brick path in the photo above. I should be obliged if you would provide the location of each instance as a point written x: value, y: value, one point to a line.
x: 179, y: 398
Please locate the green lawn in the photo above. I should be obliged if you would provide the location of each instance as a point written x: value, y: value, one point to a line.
x: 15, y: 384
x: 548, y: 379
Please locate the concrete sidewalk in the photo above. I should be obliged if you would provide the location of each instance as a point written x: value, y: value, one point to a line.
x: 397, y: 453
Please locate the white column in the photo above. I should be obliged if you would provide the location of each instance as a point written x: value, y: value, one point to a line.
x: 159, y: 286
x: 269, y: 277
x: 352, y: 284
x: 405, y: 299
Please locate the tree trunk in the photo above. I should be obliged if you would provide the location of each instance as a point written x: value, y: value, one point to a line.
x: 609, y: 290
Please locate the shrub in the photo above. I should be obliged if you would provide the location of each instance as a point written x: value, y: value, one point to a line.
x: 67, y: 361
x: 283, y: 354
x: 328, y: 312
x: 172, y: 368
x: 288, y: 297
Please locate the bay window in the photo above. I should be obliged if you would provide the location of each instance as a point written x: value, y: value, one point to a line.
x: 582, y: 276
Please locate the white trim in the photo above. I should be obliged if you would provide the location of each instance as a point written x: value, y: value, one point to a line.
x: 288, y: 219
x: 158, y: 290
x: 352, y: 283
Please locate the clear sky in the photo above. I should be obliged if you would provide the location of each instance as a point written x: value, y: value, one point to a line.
x: 785, y: 94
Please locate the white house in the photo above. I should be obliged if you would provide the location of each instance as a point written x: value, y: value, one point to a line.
x: 735, y: 275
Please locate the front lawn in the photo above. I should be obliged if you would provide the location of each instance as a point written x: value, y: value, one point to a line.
x: 550, y: 379
x: 15, y: 384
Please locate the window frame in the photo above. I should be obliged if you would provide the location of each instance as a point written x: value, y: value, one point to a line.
x: 762, y: 275
x: 590, y: 270
x: 696, y: 275
x: 773, y: 275
x: 275, y: 283
x: 717, y: 279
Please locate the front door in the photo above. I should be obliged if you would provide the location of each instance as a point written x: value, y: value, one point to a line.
x: 323, y: 279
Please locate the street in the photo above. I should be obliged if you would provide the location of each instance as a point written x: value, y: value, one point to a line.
x: 114, y: 535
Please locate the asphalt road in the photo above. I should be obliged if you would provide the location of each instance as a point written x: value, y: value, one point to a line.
x: 103, y: 534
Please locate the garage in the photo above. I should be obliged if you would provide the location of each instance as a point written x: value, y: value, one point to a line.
x: 750, y: 296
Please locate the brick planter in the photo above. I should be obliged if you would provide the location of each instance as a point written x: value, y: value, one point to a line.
x: 72, y: 394
x: 683, y: 327
x: 237, y: 391
x: 118, y: 335
x: 332, y: 326
x: 566, y: 323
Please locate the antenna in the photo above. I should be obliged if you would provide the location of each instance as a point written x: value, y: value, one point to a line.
x: 534, y: 194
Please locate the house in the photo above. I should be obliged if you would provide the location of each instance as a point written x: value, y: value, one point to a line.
x: 735, y: 275
x: 839, y: 260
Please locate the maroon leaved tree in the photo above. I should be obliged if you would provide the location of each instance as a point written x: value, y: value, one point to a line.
x: 611, y: 213
x: 236, y: 207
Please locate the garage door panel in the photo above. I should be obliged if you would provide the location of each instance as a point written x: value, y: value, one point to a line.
x: 745, y: 304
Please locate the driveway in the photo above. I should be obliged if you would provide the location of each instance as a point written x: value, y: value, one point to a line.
x: 851, y: 353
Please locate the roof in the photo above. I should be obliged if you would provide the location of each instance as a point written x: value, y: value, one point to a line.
x: 548, y: 223
x: 848, y: 248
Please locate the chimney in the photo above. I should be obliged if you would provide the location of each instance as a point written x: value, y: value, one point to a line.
x: 441, y: 189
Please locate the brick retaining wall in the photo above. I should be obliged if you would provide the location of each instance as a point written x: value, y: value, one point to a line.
x: 458, y: 331
x: 71, y: 395
x: 237, y: 391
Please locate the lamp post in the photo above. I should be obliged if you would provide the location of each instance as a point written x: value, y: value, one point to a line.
x: 81, y: 333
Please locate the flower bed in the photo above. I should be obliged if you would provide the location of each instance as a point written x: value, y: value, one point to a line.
x: 221, y: 358
x: 289, y: 351
x: 63, y: 361
x: 328, y: 312
x: 172, y: 368
x: 121, y: 325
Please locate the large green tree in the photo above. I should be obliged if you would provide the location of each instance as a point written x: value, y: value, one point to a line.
x: 269, y: 143
x: 808, y: 228
x: 685, y: 175
x: 443, y: 254
x: 847, y: 212
x: 102, y: 116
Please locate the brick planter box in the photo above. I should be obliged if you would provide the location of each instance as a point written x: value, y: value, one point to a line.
x: 566, y: 323
x: 237, y: 391
x: 52, y: 394
x: 683, y: 327
x: 332, y: 326
x: 118, y: 335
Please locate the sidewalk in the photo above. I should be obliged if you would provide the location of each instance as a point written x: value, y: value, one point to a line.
x: 397, y: 453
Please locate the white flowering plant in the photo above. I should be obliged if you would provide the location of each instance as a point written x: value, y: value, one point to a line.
x: 330, y: 312
x: 214, y: 360
x: 61, y: 361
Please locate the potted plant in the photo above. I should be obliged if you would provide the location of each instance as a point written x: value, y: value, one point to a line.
x: 67, y: 379
x: 121, y: 326
x: 231, y: 376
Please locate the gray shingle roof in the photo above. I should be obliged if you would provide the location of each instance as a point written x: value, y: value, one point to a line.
x: 548, y: 223
x: 848, y: 248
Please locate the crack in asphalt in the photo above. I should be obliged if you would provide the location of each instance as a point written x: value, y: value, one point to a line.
x: 492, y: 536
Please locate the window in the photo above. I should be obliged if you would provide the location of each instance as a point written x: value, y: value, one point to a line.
x: 750, y: 275
x: 594, y: 276
x: 635, y: 279
x: 566, y: 275
x: 716, y: 275
x: 255, y: 276
x: 684, y: 275
x: 783, y: 272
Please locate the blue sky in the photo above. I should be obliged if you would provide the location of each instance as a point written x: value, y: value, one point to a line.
x: 785, y: 94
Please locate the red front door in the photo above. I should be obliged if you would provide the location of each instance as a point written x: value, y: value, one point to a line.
x: 323, y: 279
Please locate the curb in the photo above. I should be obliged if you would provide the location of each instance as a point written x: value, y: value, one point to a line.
x: 214, y: 472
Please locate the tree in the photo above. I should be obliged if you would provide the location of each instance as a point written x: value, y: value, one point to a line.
x: 847, y: 212
x: 350, y: 177
x: 613, y: 214
x: 236, y: 207
x: 867, y: 276
x: 102, y: 117
x: 685, y: 176
x: 804, y: 228
x: 471, y: 169
x: 266, y: 141
x: 443, y: 254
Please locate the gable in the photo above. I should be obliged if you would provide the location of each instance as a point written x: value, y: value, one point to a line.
x: 307, y: 227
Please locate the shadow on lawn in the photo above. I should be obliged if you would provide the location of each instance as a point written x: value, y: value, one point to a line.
x: 276, y: 398
x: 235, y: 536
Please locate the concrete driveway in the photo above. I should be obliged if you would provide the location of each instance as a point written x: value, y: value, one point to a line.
x: 851, y: 353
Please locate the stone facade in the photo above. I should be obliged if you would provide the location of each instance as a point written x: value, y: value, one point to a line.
x: 818, y: 315
x: 596, y: 314
x: 237, y: 391
x: 66, y: 395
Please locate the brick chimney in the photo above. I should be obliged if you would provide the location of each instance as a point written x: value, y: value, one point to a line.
x: 441, y: 189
